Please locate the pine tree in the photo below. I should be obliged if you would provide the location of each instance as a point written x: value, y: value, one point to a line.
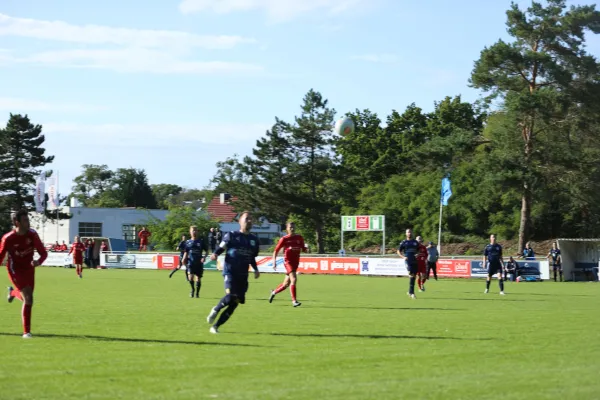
x: 21, y: 157
x: 539, y: 77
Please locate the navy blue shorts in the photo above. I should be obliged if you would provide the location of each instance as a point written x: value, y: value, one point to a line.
x: 494, y: 268
x: 236, y: 286
x: 557, y: 267
x: 412, y: 268
x: 197, y: 270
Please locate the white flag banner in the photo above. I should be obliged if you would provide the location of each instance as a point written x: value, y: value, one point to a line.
x: 52, y: 192
x: 40, y: 192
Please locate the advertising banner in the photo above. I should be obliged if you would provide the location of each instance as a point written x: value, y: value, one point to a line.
x: 146, y: 261
x: 308, y: 265
x: 333, y: 265
x: 383, y: 266
x: 58, y: 259
x: 542, y: 266
x: 478, y: 269
x: 170, y: 261
x: 454, y: 268
x: 167, y: 261
x: 265, y: 264
x: 119, y: 261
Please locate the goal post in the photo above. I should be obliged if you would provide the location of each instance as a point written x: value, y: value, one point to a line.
x: 363, y: 223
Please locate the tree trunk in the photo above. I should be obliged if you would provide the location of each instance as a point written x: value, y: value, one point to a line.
x: 526, y: 200
x: 527, y: 195
x: 319, y: 237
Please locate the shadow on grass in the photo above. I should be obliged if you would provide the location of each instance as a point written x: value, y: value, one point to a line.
x: 544, y: 294
x: 130, y: 340
x: 394, y: 308
x: 357, y: 336
x: 495, y: 298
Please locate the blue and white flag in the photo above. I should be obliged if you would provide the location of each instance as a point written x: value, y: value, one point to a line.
x: 40, y: 193
x: 446, y: 191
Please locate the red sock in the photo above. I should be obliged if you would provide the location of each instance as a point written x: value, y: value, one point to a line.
x: 16, y: 294
x: 26, y: 316
x: 419, y: 282
x: 280, y: 288
x: 293, y: 292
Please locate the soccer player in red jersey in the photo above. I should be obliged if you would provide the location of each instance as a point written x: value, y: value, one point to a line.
x: 144, y: 235
x: 292, y: 246
x: 422, y: 255
x: 20, y: 245
x: 77, y: 248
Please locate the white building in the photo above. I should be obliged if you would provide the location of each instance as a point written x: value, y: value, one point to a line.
x: 118, y: 223
x: 121, y: 223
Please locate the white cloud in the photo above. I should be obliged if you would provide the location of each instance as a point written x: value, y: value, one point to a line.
x: 154, y: 135
x: 276, y: 10
x: 121, y: 49
x: 106, y: 35
x: 13, y: 104
x: 377, y: 58
x: 135, y: 60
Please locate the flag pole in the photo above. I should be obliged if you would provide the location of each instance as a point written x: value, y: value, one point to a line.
x: 57, y: 205
x: 439, y: 246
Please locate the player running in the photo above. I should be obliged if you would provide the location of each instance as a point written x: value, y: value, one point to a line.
x: 492, y: 258
x: 556, y: 261
x: 421, y: 264
x: 194, y: 261
x: 77, y: 249
x: 292, y: 246
x: 242, y: 249
x: 408, y: 250
x: 20, y: 244
x: 181, y: 248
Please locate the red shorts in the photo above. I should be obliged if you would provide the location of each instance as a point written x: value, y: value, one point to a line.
x: 421, y: 267
x: 143, y: 243
x: 22, y: 277
x: 290, y: 268
x: 77, y: 260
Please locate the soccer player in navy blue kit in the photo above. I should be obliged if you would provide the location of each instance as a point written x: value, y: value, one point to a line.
x: 194, y: 260
x: 408, y: 250
x: 492, y: 258
x: 241, y: 250
x: 556, y: 261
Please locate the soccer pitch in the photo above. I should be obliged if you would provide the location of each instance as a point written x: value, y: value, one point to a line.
x: 135, y: 334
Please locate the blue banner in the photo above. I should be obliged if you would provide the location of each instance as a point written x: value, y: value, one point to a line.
x: 478, y: 268
x: 446, y: 191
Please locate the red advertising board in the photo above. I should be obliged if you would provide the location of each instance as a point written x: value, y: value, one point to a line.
x: 362, y: 223
x: 454, y: 268
x: 168, y: 261
x: 325, y: 265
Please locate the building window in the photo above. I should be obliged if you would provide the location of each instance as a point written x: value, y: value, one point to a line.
x: 90, y: 229
x: 129, y: 233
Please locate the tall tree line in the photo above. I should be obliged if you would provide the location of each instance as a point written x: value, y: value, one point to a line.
x: 524, y: 168
x: 99, y: 186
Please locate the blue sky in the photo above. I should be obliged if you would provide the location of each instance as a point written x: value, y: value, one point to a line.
x: 175, y: 88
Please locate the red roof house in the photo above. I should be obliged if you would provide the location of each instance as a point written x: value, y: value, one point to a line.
x: 222, y: 209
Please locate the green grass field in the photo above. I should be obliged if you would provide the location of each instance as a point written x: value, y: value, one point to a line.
x: 135, y: 334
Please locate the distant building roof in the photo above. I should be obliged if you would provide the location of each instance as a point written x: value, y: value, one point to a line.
x: 224, y: 212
